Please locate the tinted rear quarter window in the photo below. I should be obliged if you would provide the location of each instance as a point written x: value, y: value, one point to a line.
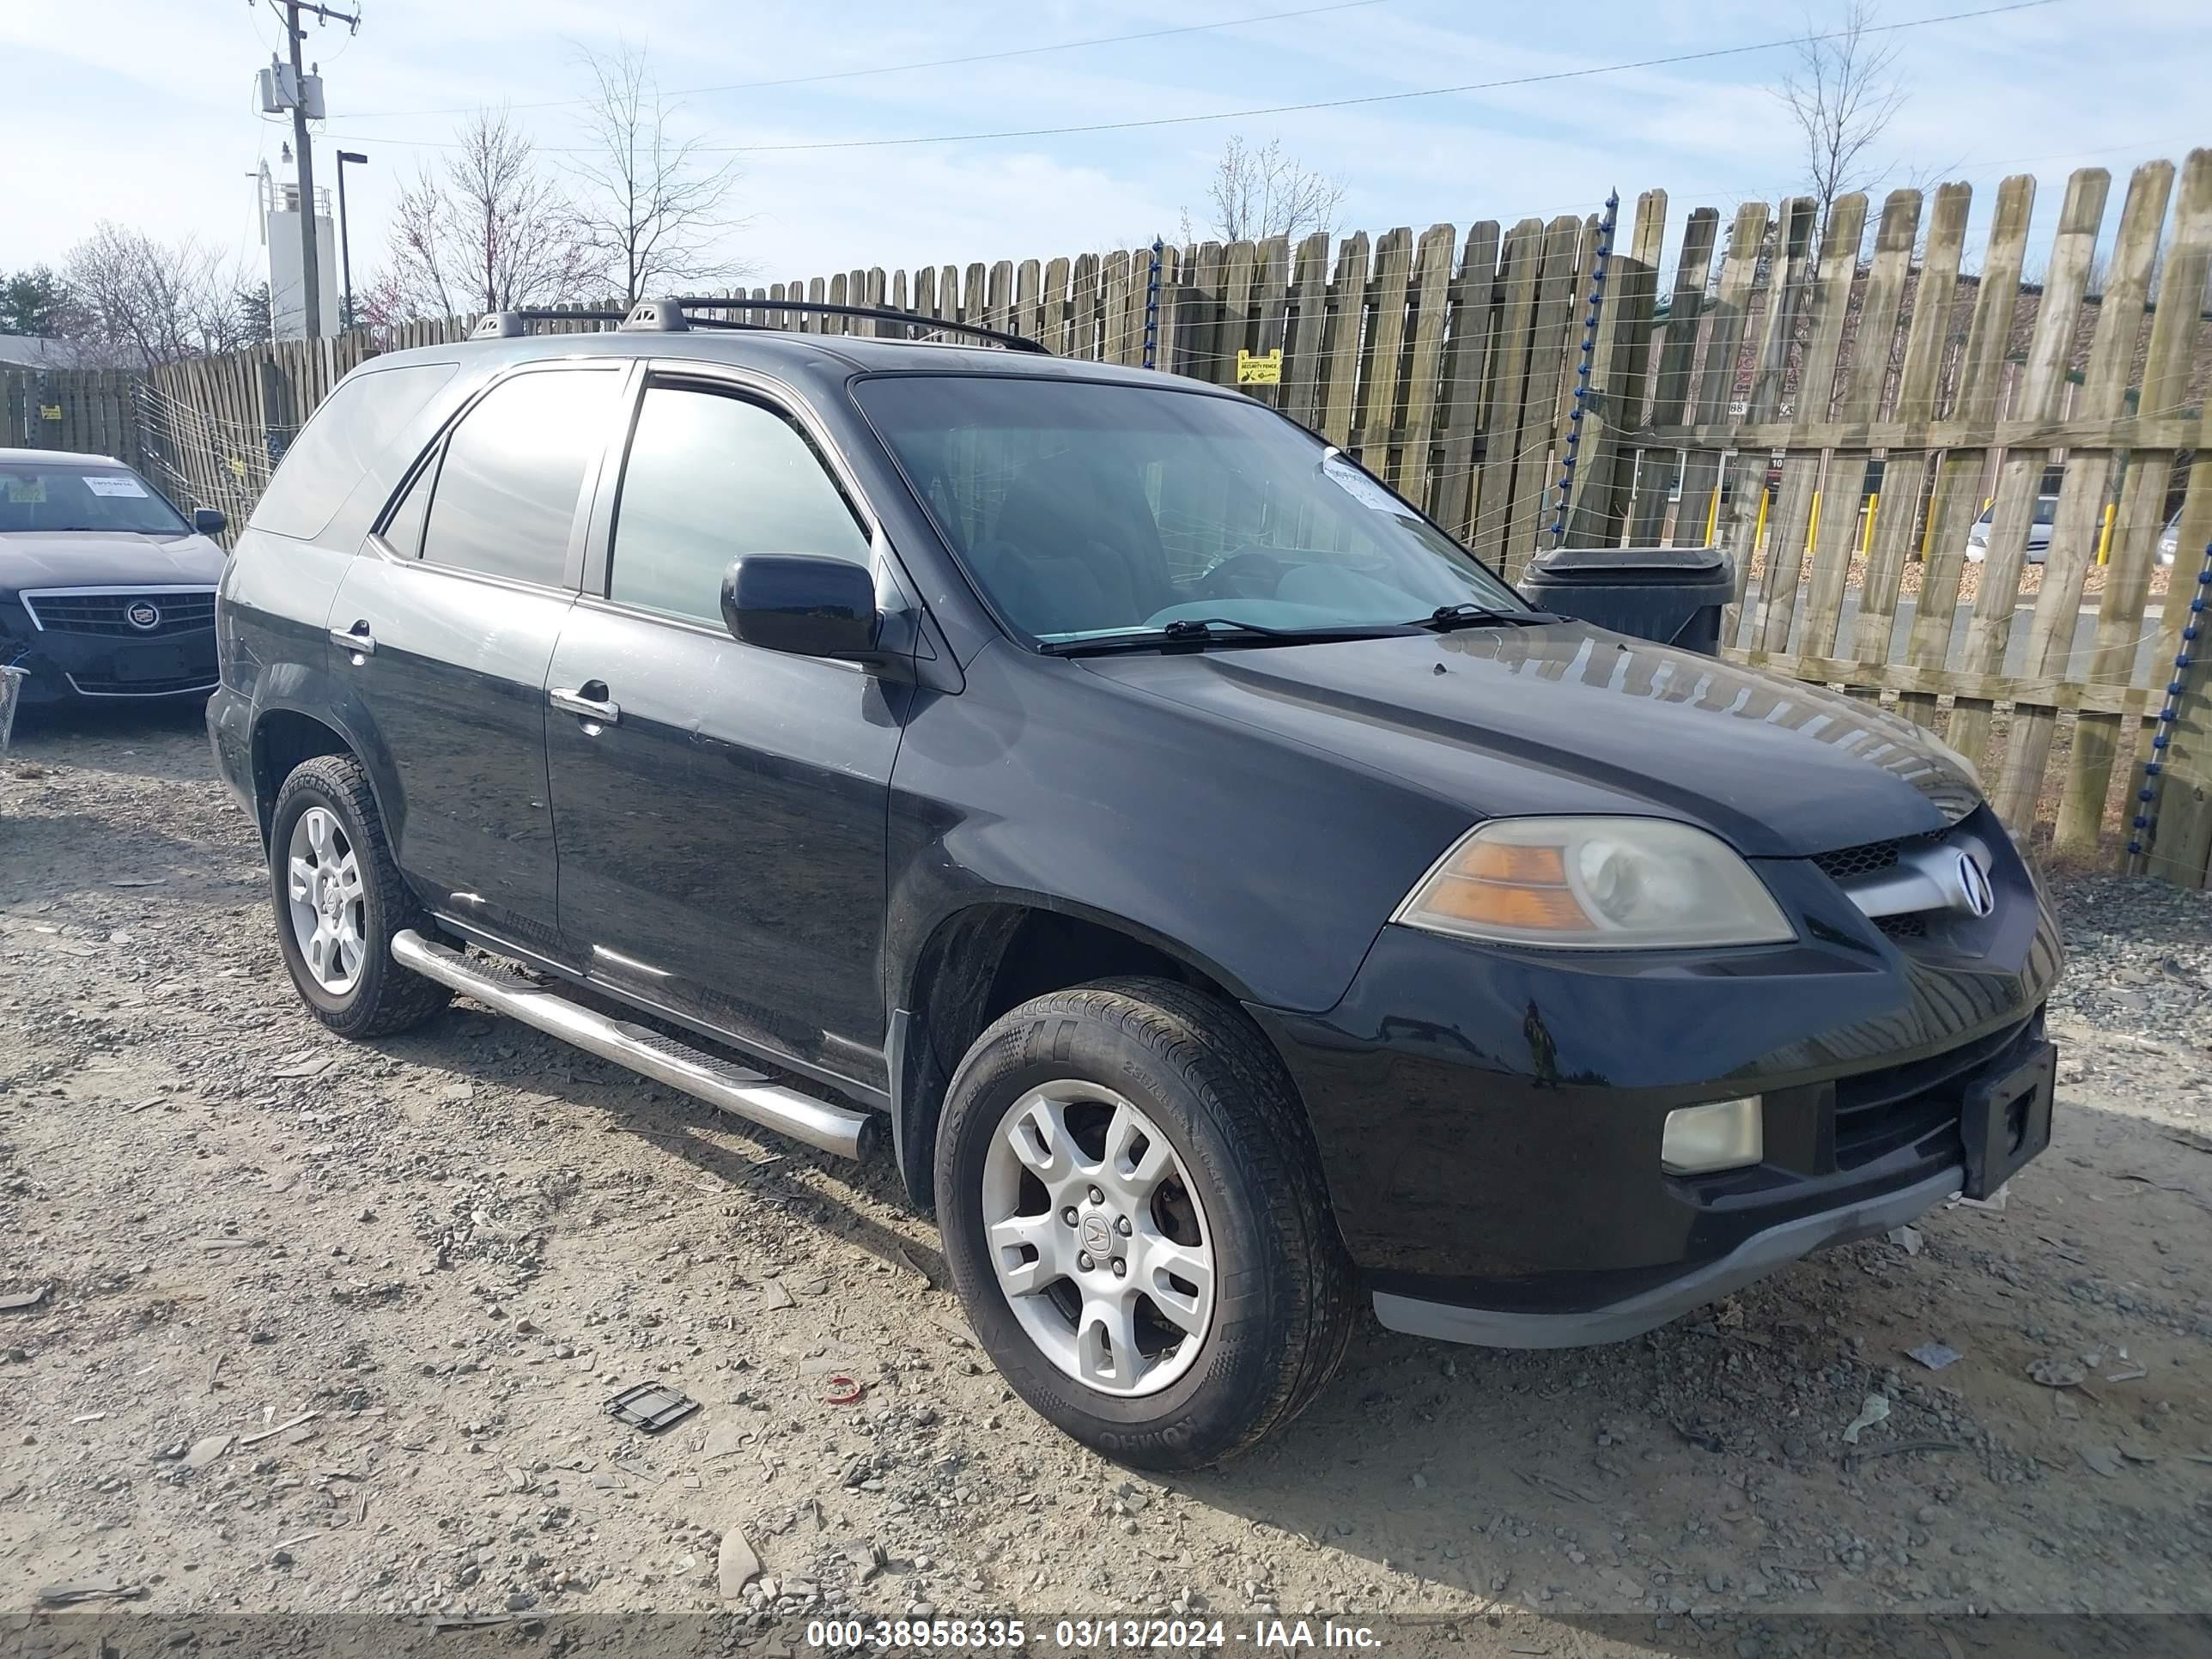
x: 355, y: 425
x: 507, y: 490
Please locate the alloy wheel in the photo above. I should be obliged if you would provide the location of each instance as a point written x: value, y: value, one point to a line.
x: 329, y: 914
x: 1098, y: 1237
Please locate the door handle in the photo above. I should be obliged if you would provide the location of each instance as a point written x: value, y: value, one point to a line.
x: 356, y: 639
x: 574, y: 700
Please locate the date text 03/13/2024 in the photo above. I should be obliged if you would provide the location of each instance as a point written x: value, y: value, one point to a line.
x: 1086, y: 1634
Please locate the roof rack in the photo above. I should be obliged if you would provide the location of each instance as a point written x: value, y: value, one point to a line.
x: 513, y: 325
x: 670, y: 315
x: 673, y: 316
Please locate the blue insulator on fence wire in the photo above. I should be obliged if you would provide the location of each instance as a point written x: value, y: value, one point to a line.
x: 1605, y: 232
x: 2145, y: 822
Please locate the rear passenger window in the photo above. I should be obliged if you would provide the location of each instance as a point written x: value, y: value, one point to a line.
x: 353, y: 427
x: 507, y: 491
x: 712, y: 478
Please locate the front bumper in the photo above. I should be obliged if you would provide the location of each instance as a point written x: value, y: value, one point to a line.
x: 1489, y: 1121
x: 98, y: 667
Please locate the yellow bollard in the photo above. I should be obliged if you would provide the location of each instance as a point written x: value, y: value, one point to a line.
x: 2104, y: 538
x: 1712, y: 518
x: 1813, y: 524
x: 1928, y: 531
x: 1866, y: 535
x: 1758, y: 530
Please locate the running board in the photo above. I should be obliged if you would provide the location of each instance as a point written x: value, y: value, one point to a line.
x: 748, y: 1095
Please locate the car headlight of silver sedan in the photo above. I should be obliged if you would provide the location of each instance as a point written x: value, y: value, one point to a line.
x: 1595, y: 883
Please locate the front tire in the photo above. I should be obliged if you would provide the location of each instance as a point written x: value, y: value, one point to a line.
x: 339, y: 899
x: 1135, y: 1217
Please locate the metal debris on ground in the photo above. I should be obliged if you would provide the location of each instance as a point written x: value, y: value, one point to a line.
x: 16, y: 1301
x: 843, y: 1390
x: 1905, y: 1238
x: 1875, y: 1410
x: 2057, y: 1373
x: 1935, y: 1355
x: 651, y: 1407
x: 91, y: 1589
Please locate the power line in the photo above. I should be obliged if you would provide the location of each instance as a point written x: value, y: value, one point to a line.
x: 933, y: 62
x: 1553, y: 75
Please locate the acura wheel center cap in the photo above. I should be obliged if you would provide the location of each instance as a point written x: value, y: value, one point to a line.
x: 1097, y: 1235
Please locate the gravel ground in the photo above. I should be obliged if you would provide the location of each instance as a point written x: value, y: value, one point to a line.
x: 329, y: 1328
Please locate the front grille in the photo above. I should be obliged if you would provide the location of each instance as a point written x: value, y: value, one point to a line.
x: 109, y: 612
x: 1877, y: 1112
x: 1914, y: 925
x: 1846, y: 863
x: 95, y: 686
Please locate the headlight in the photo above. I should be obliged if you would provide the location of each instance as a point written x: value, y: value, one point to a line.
x: 1595, y: 883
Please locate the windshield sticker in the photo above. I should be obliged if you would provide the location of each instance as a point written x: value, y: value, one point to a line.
x: 1361, y: 488
x: 114, y: 483
x: 26, y: 492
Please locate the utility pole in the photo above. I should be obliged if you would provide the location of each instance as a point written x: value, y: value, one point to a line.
x: 310, y: 262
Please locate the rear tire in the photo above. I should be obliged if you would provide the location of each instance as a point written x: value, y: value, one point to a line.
x: 339, y: 898
x: 1221, y: 1241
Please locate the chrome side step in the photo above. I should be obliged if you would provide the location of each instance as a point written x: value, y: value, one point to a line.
x: 748, y: 1095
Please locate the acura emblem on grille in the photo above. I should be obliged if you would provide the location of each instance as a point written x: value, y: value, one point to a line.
x: 1975, y: 896
x: 143, y: 616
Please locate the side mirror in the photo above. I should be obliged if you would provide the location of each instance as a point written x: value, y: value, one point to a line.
x: 209, y: 520
x: 802, y: 605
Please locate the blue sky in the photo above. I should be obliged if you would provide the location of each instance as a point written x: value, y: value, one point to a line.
x: 143, y: 110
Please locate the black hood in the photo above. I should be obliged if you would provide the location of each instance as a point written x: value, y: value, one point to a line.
x: 1566, y: 718
x: 106, y: 558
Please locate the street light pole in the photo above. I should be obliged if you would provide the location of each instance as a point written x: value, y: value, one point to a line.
x: 345, y: 248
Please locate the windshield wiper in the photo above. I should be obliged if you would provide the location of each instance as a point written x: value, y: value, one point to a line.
x: 1200, y: 628
x: 1200, y: 631
x: 1446, y: 617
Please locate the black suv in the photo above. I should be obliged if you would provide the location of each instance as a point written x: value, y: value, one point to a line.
x: 1236, y: 903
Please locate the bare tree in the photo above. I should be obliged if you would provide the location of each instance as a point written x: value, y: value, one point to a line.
x: 1258, y: 193
x: 139, y: 301
x: 650, y: 206
x: 485, y: 231
x: 1842, y: 94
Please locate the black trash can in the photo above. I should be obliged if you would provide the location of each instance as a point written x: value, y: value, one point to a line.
x: 1671, y: 594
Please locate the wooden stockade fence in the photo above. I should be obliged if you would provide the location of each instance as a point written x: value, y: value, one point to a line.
x: 1835, y: 414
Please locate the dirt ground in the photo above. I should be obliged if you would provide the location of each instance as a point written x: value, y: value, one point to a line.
x: 330, y: 1328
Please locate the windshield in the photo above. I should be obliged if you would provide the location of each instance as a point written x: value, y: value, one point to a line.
x: 49, y: 496
x: 1087, y: 511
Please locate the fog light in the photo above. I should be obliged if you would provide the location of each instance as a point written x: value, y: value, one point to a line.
x: 1724, y: 1135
